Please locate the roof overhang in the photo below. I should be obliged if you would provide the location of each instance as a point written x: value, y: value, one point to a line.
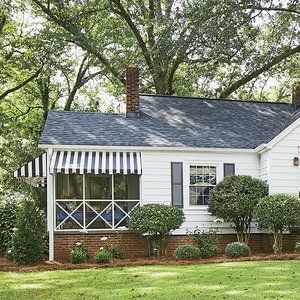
x: 144, y: 148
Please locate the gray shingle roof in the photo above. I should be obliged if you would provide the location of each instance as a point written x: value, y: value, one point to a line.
x: 173, y: 122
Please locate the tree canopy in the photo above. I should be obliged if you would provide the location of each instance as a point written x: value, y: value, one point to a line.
x: 72, y: 55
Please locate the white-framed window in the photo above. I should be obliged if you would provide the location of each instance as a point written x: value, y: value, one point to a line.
x: 202, y: 179
x: 95, y: 202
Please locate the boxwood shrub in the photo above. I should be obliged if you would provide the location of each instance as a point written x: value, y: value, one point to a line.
x: 102, y: 257
x: 187, y: 252
x: 237, y: 249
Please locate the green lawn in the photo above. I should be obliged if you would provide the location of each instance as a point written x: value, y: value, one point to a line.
x: 246, y: 280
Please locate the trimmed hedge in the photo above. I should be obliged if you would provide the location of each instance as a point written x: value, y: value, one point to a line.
x: 187, y: 252
x: 237, y: 249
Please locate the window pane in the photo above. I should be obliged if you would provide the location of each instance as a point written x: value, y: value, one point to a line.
x: 126, y: 187
x: 98, y: 186
x: 202, y: 181
x: 122, y: 212
x: 69, y: 215
x: 98, y: 214
x: 69, y: 186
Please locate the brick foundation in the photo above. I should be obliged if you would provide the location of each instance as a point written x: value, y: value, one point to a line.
x: 134, y: 246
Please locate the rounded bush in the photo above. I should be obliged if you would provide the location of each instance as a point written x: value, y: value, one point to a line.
x: 277, y: 213
x: 187, y: 252
x: 114, y: 251
x: 234, y: 200
x: 236, y: 249
x: 79, y: 254
x: 156, y: 221
x: 102, y: 257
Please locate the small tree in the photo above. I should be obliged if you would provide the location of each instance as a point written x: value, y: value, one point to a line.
x: 156, y: 221
x: 278, y: 213
x: 28, y: 240
x: 234, y: 200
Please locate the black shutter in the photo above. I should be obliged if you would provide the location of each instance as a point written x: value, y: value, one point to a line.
x: 177, y: 184
x: 229, y: 169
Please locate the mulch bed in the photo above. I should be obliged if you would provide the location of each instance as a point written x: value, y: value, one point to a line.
x: 8, y: 265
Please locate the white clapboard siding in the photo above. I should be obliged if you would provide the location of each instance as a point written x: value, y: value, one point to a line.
x: 264, y: 166
x: 156, y: 181
x: 284, y: 177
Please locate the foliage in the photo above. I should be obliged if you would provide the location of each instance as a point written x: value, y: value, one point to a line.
x: 206, y: 242
x: 28, y: 239
x: 297, y: 247
x: 237, y: 249
x: 156, y: 221
x: 102, y: 257
x: 234, y: 200
x: 79, y: 253
x: 114, y: 251
x: 9, y: 203
x: 277, y: 213
x: 187, y: 252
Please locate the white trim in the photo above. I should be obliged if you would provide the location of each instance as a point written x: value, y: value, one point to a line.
x: 278, y: 137
x: 141, y: 148
x: 50, y: 206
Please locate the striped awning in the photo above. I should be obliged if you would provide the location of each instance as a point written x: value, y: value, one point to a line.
x: 34, y: 172
x: 93, y: 162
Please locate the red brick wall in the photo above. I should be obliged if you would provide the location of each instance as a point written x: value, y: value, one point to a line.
x: 134, y: 246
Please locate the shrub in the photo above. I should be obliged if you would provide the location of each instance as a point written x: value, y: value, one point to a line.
x: 297, y: 247
x: 79, y: 253
x: 187, y: 252
x: 9, y: 203
x: 206, y: 242
x: 278, y: 213
x: 156, y: 221
x: 234, y: 200
x: 237, y: 249
x: 28, y: 239
x: 102, y: 257
x: 113, y: 251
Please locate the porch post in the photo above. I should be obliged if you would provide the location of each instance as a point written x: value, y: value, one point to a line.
x: 50, y: 206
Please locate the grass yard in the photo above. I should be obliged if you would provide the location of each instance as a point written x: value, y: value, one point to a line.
x: 239, y: 280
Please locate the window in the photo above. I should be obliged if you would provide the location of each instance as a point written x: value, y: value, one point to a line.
x: 202, y: 180
x: 91, y: 202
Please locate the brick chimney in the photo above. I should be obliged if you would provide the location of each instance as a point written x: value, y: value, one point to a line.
x: 132, y: 92
x: 296, y: 96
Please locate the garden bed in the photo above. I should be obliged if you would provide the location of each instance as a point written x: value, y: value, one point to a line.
x: 8, y: 265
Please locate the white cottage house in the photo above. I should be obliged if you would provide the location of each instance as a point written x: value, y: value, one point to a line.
x: 165, y: 149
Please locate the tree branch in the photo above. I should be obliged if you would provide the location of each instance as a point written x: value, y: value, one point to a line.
x: 123, y: 13
x: 278, y: 9
x: 80, y: 40
x: 228, y: 91
x: 22, y: 84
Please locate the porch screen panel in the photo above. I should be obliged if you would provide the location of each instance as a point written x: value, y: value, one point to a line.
x: 177, y: 184
x: 229, y: 169
x: 95, y: 162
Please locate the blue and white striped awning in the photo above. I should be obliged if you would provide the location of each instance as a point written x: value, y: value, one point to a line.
x: 93, y: 162
x: 34, y: 172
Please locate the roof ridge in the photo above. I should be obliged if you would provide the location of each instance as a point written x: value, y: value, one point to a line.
x: 214, y: 99
x: 87, y: 112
